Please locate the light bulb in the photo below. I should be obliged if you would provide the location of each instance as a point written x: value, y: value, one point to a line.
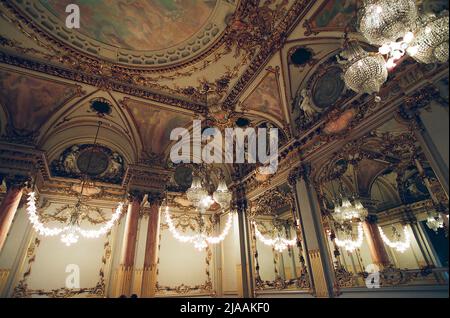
x: 385, y: 49
x: 409, y: 36
x: 412, y: 50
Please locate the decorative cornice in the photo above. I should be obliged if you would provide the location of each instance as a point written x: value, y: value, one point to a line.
x: 105, y: 82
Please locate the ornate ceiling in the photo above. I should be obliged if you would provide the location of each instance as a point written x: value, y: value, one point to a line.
x: 161, y: 64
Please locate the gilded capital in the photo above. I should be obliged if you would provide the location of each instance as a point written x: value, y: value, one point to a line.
x: 301, y: 172
x: 372, y: 219
x: 155, y: 198
x: 135, y: 195
x: 17, y: 182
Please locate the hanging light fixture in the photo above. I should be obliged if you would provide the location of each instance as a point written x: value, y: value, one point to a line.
x: 201, y: 240
x: 363, y: 72
x: 385, y: 21
x: 279, y: 244
x: 397, y: 244
x: 350, y: 244
x: 202, y: 201
x: 431, y: 41
x: 435, y: 222
x: 70, y: 234
x: 346, y: 213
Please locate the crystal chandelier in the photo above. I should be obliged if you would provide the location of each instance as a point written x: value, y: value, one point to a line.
x: 70, y: 234
x: 435, y: 222
x: 201, y: 240
x: 431, y: 42
x: 397, y: 244
x: 344, y: 214
x: 72, y: 231
x: 201, y: 200
x: 385, y: 21
x: 347, y: 211
x: 363, y: 72
x: 279, y: 244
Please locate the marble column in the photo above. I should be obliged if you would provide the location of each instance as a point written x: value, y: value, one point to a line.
x: 10, y: 203
x: 149, y: 275
x: 375, y: 242
x: 315, y: 244
x: 432, y: 133
x: 125, y: 272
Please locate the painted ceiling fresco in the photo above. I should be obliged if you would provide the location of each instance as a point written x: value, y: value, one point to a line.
x: 334, y: 14
x: 138, y: 24
x: 266, y: 97
x: 30, y: 100
x: 155, y: 124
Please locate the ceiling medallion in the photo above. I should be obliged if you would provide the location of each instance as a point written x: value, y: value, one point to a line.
x: 115, y: 31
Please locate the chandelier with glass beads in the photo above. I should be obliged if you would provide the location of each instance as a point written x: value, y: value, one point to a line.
x: 71, y: 232
x: 349, y: 243
x: 385, y: 21
x: 345, y: 214
x: 202, y: 201
x: 348, y: 212
x: 435, y: 222
x: 430, y: 44
x: 363, y: 72
x: 397, y: 28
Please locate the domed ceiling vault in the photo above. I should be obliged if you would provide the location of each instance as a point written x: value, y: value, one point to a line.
x: 215, y: 51
x: 239, y: 60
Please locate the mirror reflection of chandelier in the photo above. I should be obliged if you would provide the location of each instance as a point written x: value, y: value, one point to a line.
x: 279, y: 243
x: 348, y: 212
x: 349, y: 243
x: 70, y: 233
x: 397, y: 244
x: 435, y: 222
x: 202, y: 201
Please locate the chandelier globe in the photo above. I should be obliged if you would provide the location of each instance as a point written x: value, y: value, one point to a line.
x: 385, y: 21
x: 431, y: 44
x: 363, y: 72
